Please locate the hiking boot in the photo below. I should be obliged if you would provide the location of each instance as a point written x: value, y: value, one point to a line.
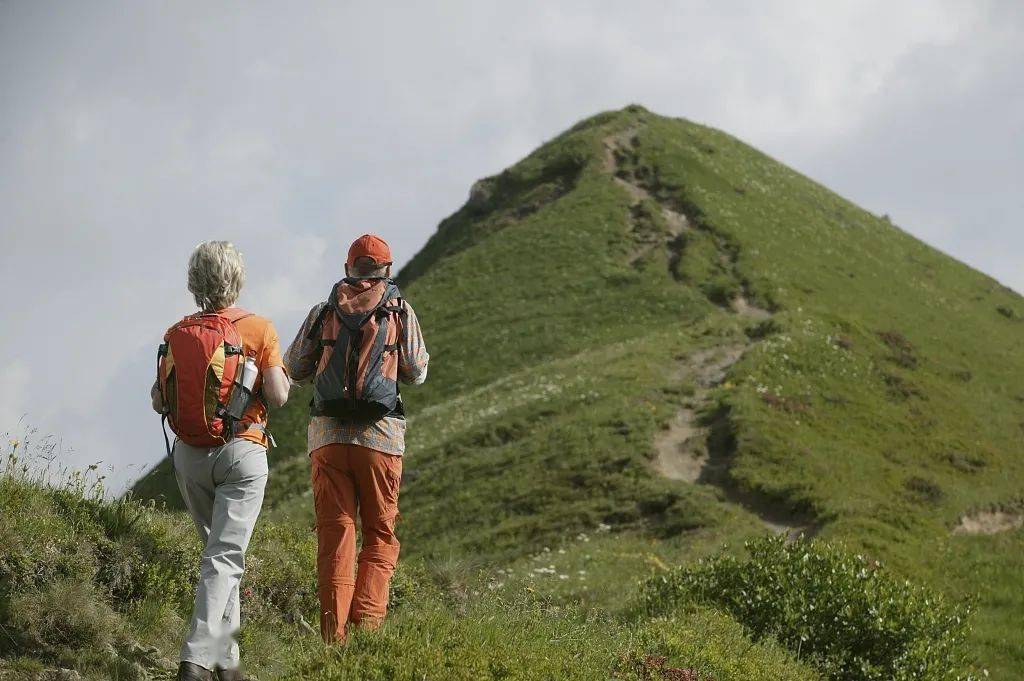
x: 190, y: 671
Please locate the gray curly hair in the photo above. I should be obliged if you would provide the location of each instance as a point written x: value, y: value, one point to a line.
x: 216, y: 274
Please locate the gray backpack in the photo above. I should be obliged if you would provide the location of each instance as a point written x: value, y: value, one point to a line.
x: 359, y: 330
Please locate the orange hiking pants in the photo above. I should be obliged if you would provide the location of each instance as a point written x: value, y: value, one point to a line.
x: 347, y: 479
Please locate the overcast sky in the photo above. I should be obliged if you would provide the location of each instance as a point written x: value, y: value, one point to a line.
x: 131, y: 131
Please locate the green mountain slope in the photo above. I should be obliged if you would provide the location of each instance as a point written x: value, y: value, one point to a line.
x: 650, y: 328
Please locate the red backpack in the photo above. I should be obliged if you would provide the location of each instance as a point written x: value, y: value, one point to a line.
x: 197, y: 367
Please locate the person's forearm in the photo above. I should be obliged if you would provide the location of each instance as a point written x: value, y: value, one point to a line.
x: 302, y: 356
x: 276, y: 387
x: 299, y: 372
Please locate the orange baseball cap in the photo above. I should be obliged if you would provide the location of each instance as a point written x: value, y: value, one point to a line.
x: 369, y: 246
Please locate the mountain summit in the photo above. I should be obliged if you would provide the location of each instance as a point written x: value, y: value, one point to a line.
x: 649, y: 331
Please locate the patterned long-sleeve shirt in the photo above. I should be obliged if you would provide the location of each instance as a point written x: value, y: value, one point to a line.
x: 385, y: 435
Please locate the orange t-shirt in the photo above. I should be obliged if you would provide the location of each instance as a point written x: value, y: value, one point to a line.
x: 259, y: 337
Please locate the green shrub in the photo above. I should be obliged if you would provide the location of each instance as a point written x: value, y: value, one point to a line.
x: 157, y: 556
x: 843, y: 613
x: 65, y: 615
x: 39, y: 544
x: 280, y: 574
x: 711, y: 645
x: 412, y: 583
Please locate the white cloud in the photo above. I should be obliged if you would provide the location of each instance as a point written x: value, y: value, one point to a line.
x: 303, y: 268
x: 14, y: 382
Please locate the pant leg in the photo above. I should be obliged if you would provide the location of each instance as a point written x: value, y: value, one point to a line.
x: 240, y: 474
x: 232, y: 623
x: 378, y: 477
x: 193, y: 468
x: 334, y: 499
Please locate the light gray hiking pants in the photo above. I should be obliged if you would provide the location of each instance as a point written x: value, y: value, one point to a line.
x: 223, y: 490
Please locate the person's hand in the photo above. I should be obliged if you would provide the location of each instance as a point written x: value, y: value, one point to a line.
x: 158, y: 399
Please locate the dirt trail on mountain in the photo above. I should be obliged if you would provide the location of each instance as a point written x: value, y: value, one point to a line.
x: 687, y: 449
x: 684, y: 450
x: 618, y: 149
x: 681, y: 450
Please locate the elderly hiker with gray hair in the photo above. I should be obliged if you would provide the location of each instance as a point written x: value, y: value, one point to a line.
x: 355, y: 347
x: 219, y: 370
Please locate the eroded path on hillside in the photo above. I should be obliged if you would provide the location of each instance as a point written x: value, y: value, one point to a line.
x: 618, y: 149
x: 686, y: 449
x: 681, y: 451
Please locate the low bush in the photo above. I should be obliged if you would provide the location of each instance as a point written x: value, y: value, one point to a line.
x: 64, y: 615
x: 844, y: 614
x: 280, y: 575
x: 701, y: 644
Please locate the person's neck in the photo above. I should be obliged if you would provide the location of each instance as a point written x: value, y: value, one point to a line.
x: 216, y: 310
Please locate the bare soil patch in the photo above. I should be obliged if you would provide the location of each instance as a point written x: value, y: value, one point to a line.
x: 989, y: 522
x: 619, y: 154
x: 684, y: 450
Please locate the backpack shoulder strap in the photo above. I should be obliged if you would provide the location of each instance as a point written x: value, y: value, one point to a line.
x: 392, y: 293
x: 317, y: 326
x: 236, y: 314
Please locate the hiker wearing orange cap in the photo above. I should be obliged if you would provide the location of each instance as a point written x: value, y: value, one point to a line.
x: 355, y: 348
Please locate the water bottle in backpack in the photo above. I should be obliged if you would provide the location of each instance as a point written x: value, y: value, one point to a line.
x: 241, y: 394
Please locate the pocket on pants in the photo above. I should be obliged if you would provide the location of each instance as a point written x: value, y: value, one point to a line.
x: 316, y: 479
x: 240, y: 461
x: 393, y: 475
